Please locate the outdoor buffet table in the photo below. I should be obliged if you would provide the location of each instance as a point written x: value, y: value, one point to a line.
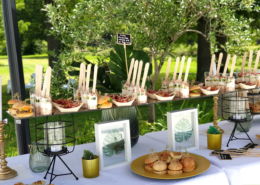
x: 238, y: 170
x: 119, y: 175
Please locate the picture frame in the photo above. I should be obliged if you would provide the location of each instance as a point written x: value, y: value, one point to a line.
x: 183, y: 129
x: 113, y: 143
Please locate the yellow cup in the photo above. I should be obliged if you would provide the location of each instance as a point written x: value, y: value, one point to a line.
x: 91, y: 167
x: 214, y: 141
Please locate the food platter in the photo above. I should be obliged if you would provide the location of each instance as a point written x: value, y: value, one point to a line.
x: 75, y: 109
x: 202, y: 165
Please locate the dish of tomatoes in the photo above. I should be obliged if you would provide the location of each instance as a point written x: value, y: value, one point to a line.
x: 67, y: 104
x: 165, y: 94
x: 151, y: 91
x: 210, y: 88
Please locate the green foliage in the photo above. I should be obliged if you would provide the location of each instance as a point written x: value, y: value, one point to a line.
x: 58, y: 79
x: 213, y: 130
x: 88, y: 155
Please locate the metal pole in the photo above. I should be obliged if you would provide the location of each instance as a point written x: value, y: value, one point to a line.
x: 16, y: 70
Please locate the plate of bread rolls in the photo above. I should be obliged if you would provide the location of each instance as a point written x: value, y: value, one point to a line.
x: 170, y: 165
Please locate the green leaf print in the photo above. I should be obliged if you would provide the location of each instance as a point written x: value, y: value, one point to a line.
x: 183, y: 130
x: 113, y: 143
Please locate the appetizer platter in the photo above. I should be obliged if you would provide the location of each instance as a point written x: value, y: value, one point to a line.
x: 67, y: 105
x: 170, y: 165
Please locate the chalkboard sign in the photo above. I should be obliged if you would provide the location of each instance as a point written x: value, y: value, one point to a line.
x: 225, y: 157
x: 124, y: 38
x: 250, y: 145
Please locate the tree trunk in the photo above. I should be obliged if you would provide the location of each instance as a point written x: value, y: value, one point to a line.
x: 151, y: 111
x: 204, y: 55
x: 221, y: 41
x: 53, y: 44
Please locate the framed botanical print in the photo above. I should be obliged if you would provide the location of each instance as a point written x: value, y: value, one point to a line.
x: 183, y: 129
x: 113, y: 143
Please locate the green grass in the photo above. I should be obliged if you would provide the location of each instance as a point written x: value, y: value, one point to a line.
x: 84, y: 121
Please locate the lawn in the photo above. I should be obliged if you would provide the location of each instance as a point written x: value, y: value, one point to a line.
x: 85, y: 121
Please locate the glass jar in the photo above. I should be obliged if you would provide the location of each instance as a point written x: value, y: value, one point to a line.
x: 32, y: 96
x: 46, y: 105
x: 84, y: 99
x: 165, y: 85
x: 215, y: 81
x: 76, y: 93
x: 142, y: 95
x: 222, y: 82
x: 208, y: 79
x: 240, y: 75
x: 230, y: 83
x: 184, y: 90
x: 92, y: 99
x: 37, y: 104
x: 177, y: 89
x: 37, y: 161
x: 258, y: 78
x: 253, y: 79
x: 124, y: 87
x: 247, y: 76
x: 171, y: 86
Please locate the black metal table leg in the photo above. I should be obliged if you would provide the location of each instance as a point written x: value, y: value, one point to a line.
x: 232, y: 134
x: 68, y: 168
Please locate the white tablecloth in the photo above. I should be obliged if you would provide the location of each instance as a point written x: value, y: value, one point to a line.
x: 238, y: 170
x: 120, y: 175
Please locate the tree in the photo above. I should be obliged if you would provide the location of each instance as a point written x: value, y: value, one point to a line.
x: 31, y: 39
x: 155, y: 25
x: 23, y: 25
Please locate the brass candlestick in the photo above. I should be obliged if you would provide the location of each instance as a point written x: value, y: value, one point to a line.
x: 5, y: 171
x: 215, y: 109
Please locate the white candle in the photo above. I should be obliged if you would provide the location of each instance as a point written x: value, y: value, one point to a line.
x: 0, y: 98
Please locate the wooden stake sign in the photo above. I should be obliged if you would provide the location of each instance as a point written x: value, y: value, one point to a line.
x: 225, y: 157
x: 124, y: 39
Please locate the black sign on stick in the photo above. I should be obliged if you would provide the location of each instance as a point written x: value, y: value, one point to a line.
x: 124, y: 38
x: 225, y: 157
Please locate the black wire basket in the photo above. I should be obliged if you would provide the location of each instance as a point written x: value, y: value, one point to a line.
x: 55, y: 136
x: 235, y: 108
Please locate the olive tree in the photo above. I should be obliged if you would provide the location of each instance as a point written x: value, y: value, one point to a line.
x: 155, y: 25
